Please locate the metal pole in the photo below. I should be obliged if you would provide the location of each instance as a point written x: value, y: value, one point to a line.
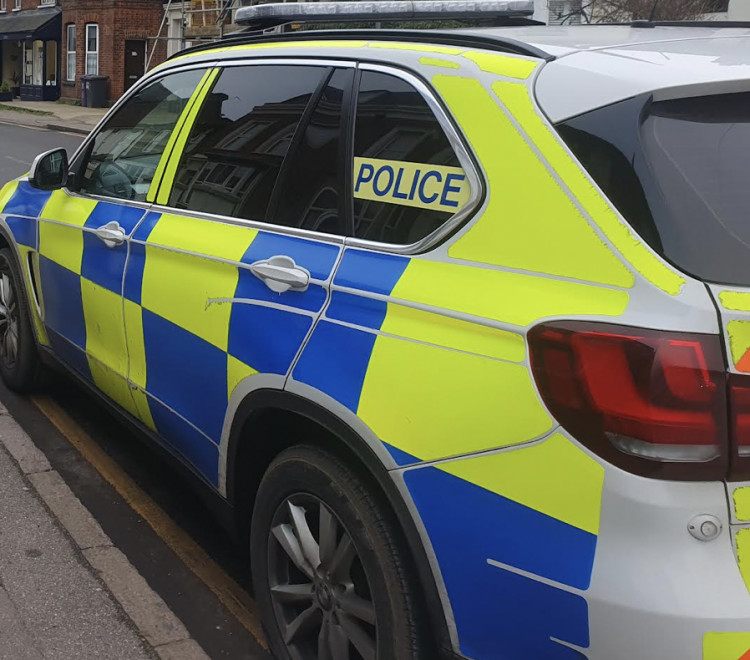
x: 158, y: 35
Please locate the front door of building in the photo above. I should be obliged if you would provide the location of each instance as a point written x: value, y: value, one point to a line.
x: 135, y: 62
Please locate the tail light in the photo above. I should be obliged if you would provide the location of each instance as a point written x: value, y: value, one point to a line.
x: 739, y: 406
x: 651, y: 402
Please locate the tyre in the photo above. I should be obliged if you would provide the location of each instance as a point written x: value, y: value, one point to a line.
x: 20, y: 366
x: 328, y: 571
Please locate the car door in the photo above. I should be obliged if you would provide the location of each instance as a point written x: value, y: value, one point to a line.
x: 84, y: 231
x: 230, y: 269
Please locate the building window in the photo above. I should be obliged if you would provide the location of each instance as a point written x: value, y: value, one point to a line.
x: 3, y: 5
x: 71, y: 52
x: 16, y: 5
x: 92, y: 49
x: 45, y: 3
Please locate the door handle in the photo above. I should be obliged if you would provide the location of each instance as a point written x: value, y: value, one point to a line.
x: 281, y: 274
x: 112, y: 234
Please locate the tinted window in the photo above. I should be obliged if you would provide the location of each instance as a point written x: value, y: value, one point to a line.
x: 122, y: 159
x: 407, y: 178
x: 676, y: 170
x: 238, y: 143
x: 309, y: 193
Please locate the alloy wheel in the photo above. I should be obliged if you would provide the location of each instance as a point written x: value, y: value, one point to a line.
x: 319, y: 588
x: 9, y: 320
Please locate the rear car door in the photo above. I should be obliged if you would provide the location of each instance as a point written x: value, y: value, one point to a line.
x: 230, y: 269
x: 84, y: 231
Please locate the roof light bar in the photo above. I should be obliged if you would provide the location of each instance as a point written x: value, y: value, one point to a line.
x: 268, y: 15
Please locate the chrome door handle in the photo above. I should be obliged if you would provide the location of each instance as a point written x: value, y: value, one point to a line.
x: 281, y: 274
x: 112, y: 234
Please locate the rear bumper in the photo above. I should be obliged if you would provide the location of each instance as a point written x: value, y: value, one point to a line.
x: 657, y: 592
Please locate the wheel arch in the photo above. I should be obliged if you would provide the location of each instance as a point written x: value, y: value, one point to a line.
x: 267, y: 421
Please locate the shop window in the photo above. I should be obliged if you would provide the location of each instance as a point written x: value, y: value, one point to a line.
x: 92, y: 49
x: 70, y: 57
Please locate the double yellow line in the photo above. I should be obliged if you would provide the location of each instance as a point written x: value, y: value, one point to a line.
x: 229, y: 593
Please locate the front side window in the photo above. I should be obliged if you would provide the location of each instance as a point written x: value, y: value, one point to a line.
x: 122, y: 158
x: 241, y: 137
x: 92, y: 49
x: 70, y: 58
x: 407, y: 178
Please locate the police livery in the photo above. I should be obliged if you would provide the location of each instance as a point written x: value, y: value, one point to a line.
x: 452, y: 326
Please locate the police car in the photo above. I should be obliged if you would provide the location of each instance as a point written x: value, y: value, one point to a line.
x: 453, y: 324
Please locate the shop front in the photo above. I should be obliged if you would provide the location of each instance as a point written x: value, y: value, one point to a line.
x: 30, y: 53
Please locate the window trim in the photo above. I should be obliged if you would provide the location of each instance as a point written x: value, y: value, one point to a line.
x: 92, y: 52
x: 468, y: 161
x: 69, y: 52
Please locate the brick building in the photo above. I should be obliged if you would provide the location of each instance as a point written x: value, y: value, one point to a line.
x: 47, y: 45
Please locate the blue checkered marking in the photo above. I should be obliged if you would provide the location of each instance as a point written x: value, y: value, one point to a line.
x: 101, y: 264
x: 495, y: 608
x: 317, y: 257
x: 63, y: 304
x: 267, y: 339
x: 249, y: 287
x: 401, y: 457
x: 24, y: 231
x: 69, y: 354
x: 146, y: 227
x: 370, y: 271
x: 186, y: 373
x: 335, y: 361
x: 335, y: 358
x: 27, y: 201
x: 188, y: 441
x: 358, y: 310
x: 104, y: 212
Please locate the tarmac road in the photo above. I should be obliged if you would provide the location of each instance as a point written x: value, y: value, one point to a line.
x: 19, y: 146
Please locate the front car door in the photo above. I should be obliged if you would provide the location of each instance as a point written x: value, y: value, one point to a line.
x: 84, y: 231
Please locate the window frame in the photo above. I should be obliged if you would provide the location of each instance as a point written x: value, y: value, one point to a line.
x: 92, y: 52
x: 3, y: 6
x: 17, y: 5
x: 69, y: 52
x: 465, y: 156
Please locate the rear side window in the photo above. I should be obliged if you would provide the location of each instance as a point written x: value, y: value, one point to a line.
x: 407, y: 178
x: 237, y: 146
x: 677, y: 171
x: 308, y: 193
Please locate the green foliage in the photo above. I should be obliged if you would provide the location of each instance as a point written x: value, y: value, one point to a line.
x: 4, y: 87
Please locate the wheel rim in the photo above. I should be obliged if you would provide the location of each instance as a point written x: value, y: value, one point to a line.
x: 319, y: 589
x: 9, y: 321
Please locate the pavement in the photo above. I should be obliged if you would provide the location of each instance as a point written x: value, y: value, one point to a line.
x: 51, y: 115
x: 66, y: 592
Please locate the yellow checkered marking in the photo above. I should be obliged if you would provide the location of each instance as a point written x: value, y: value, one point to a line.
x: 530, y: 223
x: 446, y: 402
x: 498, y: 295
x: 6, y: 192
x: 237, y: 371
x: 135, y: 344
x: 105, y: 334
x: 739, y: 339
x: 726, y: 646
x: 58, y: 242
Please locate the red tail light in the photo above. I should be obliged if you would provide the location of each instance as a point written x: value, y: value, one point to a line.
x: 650, y: 402
x: 739, y: 406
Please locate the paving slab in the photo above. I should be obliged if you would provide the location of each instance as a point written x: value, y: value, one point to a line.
x: 52, y: 607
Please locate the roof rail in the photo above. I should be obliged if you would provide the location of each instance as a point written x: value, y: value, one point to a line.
x: 457, y: 38
x: 278, y: 13
x: 702, y: 24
